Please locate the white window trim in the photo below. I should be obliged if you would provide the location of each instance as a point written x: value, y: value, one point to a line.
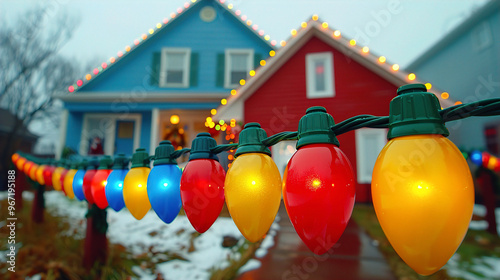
x: 361, y: 151
x: 109, y: 145
x: 163, y: 67
x: 227, y: 66
x: 310, y: 75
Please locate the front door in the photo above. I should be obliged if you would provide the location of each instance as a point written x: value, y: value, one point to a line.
x: 124, y: 138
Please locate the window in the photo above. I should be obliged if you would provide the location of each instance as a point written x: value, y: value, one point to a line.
x: 481, y: 36
x: 319, y: 75
x: 282, y: 152
x: 238, y: 64
x: 369, y: 143
x: 174, y: 70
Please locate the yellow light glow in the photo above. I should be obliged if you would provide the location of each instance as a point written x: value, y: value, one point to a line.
x: 445, y: 197
x: 395, y: 67
x: 365, y: 50
x: 336, y: 33
x: 283, y: 43
x: 249, y: 22
x: 324, y: 25
x: 221, y: 122
x: 56, y: 178
x: 233, y: 92
x: 144, y: 36
x: 382, y: 59
x: 492, y: 162
x: 135, y: 196
x: 242, y: 82
x: 352, y: 42
x: 223, y: 101
x: 39, y: 174
x: 411, y: 76
x: 127, y: 48
x: 253, y: 179
x: 209, y: 119
x: 315, y: 184
x: 252, y: 73
x: 272, y: 53
x: 293, y: 32
x: 230, y: 157
x: 151, y: 31
x: 303, y: 24
x: 88, y: 77
x: 230, y: 6
x: 158, y: 25
x: 262, y: 62
x: 445, y: 95
x: 181, y: 130
x: 458, y: 102
x: 112, y: 60
x: 68, y: 183
x: 267, y: 37
x: 428, y: 86
x: 315, y: 17
x: 213, y: 112
x: 174, y: 119
x: 212, y: 124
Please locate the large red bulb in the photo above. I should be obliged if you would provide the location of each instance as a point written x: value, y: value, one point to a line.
x: 202, y: 192
x: 319, y: 191
x: 63, y: 175
x: 47, y: 175
x: 87, y: 185
x: 98, y: 186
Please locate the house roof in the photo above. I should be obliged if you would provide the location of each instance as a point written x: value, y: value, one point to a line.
x: 7, y: 120
x: 152, y: 32
x: 315, y: 28
x: 483, y: 12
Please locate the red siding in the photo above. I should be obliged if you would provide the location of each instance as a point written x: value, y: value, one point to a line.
x: 281, y: 101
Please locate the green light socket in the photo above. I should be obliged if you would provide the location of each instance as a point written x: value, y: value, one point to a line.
x: 163, y: 153
x: 200, y: 148
x: 415, y: 112
x: 140, y: 158
x: 250, y: 140
x: 120, y: 162
x: 315, y: 128
x: 105, y: 163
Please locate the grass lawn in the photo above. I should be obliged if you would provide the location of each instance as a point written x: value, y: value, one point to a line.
x: 477, y: 244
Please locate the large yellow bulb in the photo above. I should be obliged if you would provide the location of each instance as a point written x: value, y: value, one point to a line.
x: 423, y: 195
x: 68, y: 183
x: 56, y: 178
x: 33, y: 170
x: 135, y: 192
x: 253, y: 194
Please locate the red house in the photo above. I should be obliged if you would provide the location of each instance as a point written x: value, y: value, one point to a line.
x: 318, y: 66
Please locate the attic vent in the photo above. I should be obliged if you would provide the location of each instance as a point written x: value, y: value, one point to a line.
x: 207, y: 14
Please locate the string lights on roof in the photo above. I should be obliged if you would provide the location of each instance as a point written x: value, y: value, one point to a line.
x: 336, y: 34
x: 229, y: 7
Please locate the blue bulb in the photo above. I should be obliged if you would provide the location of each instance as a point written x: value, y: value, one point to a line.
x: 164, y: 191
x: 78, y: 184
x: 114, y: 189
x: 476, y: 157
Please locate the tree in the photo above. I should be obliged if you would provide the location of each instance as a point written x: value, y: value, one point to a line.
x: 32, y: 71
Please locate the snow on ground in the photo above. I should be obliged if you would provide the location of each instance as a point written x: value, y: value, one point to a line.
x: 138, y: 236
x: 480, y: 210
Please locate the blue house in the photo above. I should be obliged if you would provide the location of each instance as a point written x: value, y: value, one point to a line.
x: 466, y: 63
x: 163, y: 86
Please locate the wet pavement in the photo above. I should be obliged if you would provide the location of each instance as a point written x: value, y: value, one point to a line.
x: 353, y: 257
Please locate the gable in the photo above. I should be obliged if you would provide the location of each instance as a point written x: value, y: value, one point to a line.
x: 206, y: 41
x: 280, y: 102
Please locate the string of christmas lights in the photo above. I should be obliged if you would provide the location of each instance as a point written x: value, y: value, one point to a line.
x: 415, y: 173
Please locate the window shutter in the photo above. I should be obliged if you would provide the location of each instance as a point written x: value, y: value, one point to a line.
x: 219, y: 79
x: 193, y: 68
x: 155, y: 69
x: 256, y: 60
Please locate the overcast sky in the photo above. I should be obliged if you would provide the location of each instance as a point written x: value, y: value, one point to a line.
x: 399, y: 30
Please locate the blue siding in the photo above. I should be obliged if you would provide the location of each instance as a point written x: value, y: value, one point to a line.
x: 146, y: 131
x: 74, y: 131
x: 466, y: 73
x: 188, y: 31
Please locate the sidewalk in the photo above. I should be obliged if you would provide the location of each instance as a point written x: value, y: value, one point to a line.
x: 354, y: 257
